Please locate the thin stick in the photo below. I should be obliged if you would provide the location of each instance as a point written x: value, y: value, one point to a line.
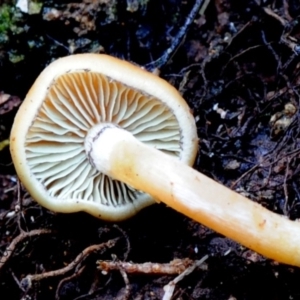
x: 169, y: 288
x: 27, y: 281
x: 76, y: 274
x: 175, y: 266
x: 126, y: 294
x: 21, y: 237
x: 157, y: 64
x: 126, y: 253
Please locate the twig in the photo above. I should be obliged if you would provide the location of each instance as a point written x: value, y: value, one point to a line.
x: 244, y: 175
x: 286, y: 194
x: 269, y: 12
x: 94, y: 289
x: 175, y: 266
x: 22, y: 236
x: 169, y: 288
x: 27, y: 281
x: 157, y: 64
x: 295, y: 186
x: 126, y: 294
x: 19, y: 208
x: 241, y: 54
x: 204, y: 7
x: 16, y: 280
x: 271, y: 49
x: 75, y: 275
x: 125, y: 255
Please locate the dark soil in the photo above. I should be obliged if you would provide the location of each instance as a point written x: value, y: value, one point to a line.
x: 238, y: 68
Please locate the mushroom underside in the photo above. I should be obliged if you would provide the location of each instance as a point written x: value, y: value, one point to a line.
x: 76, y: 102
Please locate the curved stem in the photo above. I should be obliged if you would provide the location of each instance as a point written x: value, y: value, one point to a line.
x: 118, y: 154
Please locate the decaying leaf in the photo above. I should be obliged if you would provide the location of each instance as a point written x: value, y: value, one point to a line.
x: 8, y: 102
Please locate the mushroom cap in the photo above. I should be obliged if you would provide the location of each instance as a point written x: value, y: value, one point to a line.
x: 68, y: 98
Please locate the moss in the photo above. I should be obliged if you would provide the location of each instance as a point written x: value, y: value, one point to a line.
x: 8, y: 21
x: 15, y: 57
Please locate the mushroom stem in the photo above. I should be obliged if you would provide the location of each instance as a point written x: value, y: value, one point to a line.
x: 117, y: 153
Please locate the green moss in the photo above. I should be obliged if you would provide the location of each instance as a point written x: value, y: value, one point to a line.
x: 35, y: 7
x: 9, y: 16
x: 15, y: 57
x: 6, y: 18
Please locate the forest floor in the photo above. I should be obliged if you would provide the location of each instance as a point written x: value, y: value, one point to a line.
x: 237, y: 65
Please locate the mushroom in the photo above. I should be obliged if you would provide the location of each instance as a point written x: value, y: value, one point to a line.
x: 48, y: 117
x: 67, y: 101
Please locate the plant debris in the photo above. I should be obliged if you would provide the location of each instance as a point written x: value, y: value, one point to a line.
x: 237, y: 65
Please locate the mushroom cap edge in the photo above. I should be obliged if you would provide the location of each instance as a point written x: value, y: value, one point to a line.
x: 119, y: 70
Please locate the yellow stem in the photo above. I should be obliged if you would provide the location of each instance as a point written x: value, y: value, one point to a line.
x: 196, y: 196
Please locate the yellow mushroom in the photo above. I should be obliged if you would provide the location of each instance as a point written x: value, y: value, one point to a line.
x: 100, y: 141
x: 66, y: 102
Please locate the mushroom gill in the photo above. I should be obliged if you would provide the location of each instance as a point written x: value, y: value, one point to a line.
x: 74, y: 103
